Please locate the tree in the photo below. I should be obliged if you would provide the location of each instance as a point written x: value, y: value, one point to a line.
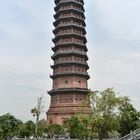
x: 36, y: 111
x: 76, y: 127
x: 128, y: 119
x: 54, y: 129
x: 87, y: 125
x: 41, y: 127
x: 105, y: 106
x: 111, y: 114
x: 27, y: 129
x: 9, y: 126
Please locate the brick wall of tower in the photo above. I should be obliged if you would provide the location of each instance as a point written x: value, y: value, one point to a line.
x: 69, y: 98
x: 69, y: 82
x: 69, y: 59
x: 68, y: 69
x: 59, y: 119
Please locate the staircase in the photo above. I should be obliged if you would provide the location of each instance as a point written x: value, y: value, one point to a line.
x: 134, y: 135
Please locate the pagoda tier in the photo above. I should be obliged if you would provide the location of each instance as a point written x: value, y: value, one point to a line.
x: 70, y: 66
x: 67, y: 63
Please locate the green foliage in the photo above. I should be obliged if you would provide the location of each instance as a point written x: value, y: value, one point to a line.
x: 27, y: 129
x: 85, y: 122
x: 76, y: 127
x: 105, y: 106
x: 9, y: 126
x: 128, y: 118
x: 111, y: 114
x: 54, y: 129
x: 41, y: 128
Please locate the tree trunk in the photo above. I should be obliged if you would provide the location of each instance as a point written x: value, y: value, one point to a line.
x: 100, y: 136
x: 92, y: 130
x: 36, y: 128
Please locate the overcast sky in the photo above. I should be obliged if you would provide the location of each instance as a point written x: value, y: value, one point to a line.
x: 113, y: 34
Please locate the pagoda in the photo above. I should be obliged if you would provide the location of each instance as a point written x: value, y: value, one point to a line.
x: 70, y: 66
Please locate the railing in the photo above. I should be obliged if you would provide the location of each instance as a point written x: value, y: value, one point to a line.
x: 64, y: 1
x: 70, y: 16
x: 70, y: 73
x: 70, y: 42
x: 67, y: 9
x: 69, y: 33
x: 67, y: 52
x: 69, y: 24
x: 71, y: 7
x: 66, y: 89
x: 73, y: 16
x: 69, y: 62
x: 72, y: 61
x: 135, y: 135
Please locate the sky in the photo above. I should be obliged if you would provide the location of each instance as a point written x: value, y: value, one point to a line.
x: 113, y: 32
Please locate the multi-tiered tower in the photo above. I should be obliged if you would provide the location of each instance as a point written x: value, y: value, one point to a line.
x: 70, y: 67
